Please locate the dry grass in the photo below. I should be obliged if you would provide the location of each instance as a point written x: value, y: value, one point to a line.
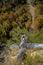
x: 33, y: 56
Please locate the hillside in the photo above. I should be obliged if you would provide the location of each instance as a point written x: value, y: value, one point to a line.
x: 21, y: 32
x: 18, y: 16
